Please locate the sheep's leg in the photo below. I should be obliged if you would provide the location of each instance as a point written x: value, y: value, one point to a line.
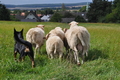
x: 76, y: 55
x: 82, y: 59
x: 39, y: 48
x: 86, y: 54
x: 51, y: 56
x: 36, y: 48
x: 82, y: 55
x: 78, y: 62
x: 70, y: 55
x: 49, y: 52
x: 85, y: 50
x: 60, y: 55
x: 35, y: 52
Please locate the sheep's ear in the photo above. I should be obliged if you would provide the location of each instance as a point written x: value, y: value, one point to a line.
x: 43, y: 26
x: 77, y: 23
x: 65, y: 29
x: 69, y: 23
x: 47, y: 36
x: 44, y: 37
x: 36, y: 26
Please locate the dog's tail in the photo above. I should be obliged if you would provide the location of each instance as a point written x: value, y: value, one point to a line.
x: 22, y: 41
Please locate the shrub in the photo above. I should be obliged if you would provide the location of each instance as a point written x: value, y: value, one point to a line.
x: 79, y: 19
x: 56, y: 18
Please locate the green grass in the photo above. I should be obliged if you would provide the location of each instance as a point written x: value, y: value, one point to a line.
x: 103, y: 62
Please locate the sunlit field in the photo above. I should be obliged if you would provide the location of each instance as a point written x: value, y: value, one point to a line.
x: 102, y: 63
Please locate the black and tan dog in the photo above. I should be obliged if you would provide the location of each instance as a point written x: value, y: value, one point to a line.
x: 22, y: 47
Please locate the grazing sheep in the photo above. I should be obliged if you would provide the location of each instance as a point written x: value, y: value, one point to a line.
x: 54, y: 46
x: 65, y: 41
x: 36, y: 37
x: 59, y: 32
x: 78, y: 39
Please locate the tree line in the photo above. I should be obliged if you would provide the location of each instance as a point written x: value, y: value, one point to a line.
x: 98, y: 11
x: 4, y: 13
x: 104, y: 11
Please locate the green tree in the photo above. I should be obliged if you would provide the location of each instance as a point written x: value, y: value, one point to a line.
x: 79, y: 19
x: 98, y: 10
x: 67, y: 14
x: 115, y: 3
x: 56, y: 17
x: 39, y: 11
x: 83, y: 9
x: 114, y: 16
x: 4, y: 13
x: 16, y: 11
x: 13, y: 18
x: 63, y: 7
x: 48, y: 11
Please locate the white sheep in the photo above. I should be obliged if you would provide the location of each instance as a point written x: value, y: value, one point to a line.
x: 78, y: 39
x: 54, y: 46
x: 36, y: 37
x: 58, y: 32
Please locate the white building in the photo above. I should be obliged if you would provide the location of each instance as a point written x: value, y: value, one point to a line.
x: 31, y: 17
x: 46, y: 18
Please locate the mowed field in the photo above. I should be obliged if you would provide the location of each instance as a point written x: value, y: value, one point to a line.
x: 102, y: 63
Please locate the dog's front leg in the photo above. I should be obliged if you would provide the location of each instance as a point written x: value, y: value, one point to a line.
x: 15, y: 55
x: 32, y: 59
x: 23, y: 58
x: 20, y: 58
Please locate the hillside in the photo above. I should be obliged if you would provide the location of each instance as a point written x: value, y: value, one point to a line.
x: 29, y: 6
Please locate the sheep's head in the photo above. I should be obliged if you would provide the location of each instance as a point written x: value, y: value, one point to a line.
x: 41, y: 26
x: 73, y: 23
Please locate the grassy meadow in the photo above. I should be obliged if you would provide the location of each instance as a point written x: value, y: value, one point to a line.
x: 102, y: 63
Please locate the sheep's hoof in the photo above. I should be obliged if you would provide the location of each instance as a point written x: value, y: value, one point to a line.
x: 78, y: 64
x: 16, y: 60
x: 33, y: 66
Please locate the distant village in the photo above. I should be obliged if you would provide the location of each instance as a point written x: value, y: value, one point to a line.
x: 34, y: 16
x: 65, y: 13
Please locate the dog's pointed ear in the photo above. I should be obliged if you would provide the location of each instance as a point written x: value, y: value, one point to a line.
x: 14, y: 30
x: 22, y: 30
